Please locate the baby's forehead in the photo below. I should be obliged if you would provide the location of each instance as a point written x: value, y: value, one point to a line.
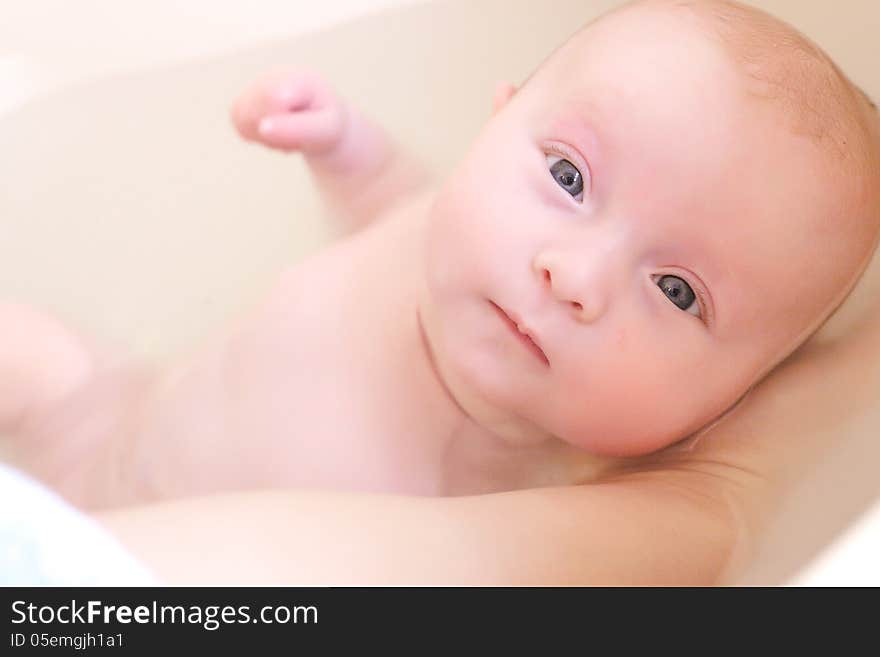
x: 797, y: 143
x: 700, y: 70
x: 773, y: 62
x: 633, y: 52
x: 652, y: 25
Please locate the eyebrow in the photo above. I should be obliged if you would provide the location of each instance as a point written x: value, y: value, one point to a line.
x: 572, y: 122
x: 709, y: 266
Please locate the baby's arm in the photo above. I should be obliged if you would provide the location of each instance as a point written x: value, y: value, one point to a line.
x: 357, y: 167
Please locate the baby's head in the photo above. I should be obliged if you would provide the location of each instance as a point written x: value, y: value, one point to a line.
x: 673, y: 202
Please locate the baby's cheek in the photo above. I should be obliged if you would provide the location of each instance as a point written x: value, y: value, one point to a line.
x: 456, y: 222
x: 630, y: 409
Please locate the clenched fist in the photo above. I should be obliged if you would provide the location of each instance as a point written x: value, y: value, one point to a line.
x: 291, y: 111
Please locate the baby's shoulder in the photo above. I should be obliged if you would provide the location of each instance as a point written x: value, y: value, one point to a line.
x: 414, y: 204
x: 399, y: 231
x: 359, y: 267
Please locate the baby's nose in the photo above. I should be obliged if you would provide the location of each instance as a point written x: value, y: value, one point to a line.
x: 575, y: 284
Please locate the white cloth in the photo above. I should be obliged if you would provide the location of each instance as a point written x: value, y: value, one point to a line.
x: 44, y: 541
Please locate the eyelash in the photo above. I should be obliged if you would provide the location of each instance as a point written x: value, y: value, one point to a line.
x: 705, y: 313
x: 567, y: 154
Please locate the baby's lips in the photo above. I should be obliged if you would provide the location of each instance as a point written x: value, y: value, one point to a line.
x: 516, y: 322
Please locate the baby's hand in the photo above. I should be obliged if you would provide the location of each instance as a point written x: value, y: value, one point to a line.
x: 291, y: 111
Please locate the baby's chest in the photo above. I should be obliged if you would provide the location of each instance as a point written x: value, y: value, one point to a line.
x: 323, y: 369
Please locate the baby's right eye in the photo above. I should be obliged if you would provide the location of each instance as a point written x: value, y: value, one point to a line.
x: 567, y: 176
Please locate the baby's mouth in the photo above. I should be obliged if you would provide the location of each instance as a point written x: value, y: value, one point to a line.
x: 522, y: 334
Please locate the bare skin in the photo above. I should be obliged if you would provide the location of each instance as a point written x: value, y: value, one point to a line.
x: 353, y: 342
x: 691, y: 517
x: 283, y: 400
x: 299, y: 388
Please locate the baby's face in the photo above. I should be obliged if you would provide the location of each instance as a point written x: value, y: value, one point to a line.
x: 651, y: 228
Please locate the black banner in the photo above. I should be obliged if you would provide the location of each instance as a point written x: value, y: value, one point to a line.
x: 334, y: 620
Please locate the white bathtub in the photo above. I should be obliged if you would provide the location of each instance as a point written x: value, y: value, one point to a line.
x: 129, y: 206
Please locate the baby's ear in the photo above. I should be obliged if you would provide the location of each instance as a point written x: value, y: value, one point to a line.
x: 503, y: 92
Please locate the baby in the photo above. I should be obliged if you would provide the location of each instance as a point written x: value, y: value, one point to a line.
x: 673, y: 202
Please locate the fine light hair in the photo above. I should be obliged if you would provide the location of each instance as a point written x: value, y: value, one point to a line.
x: 816, y: 99
x: 783, y: 66
x: 813, y: 98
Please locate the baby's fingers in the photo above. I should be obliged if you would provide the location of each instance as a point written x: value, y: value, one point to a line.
x: 272, y: 95
x: 312, y: 132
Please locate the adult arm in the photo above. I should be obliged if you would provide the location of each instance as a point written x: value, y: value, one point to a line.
x: 682, y: 517
x: 600, y: 534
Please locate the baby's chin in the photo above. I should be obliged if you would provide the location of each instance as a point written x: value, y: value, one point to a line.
x: 502, y: 397
x: 601, y: 436
x: 491, y: 401
x: 487, y: 396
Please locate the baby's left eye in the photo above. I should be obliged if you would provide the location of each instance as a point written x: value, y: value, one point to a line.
x: 567, y: 176
x: 680, y: 293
